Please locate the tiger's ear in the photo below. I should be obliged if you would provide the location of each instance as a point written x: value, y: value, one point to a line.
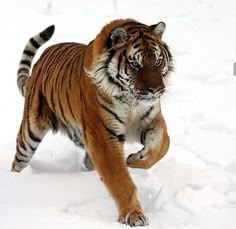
x: 158, y: 29
x: 116, y: 37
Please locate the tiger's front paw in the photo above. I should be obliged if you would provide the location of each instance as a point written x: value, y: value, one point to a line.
x: 134, y: 219
x: 136, y: 160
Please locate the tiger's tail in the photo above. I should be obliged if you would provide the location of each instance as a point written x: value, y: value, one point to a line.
x: 28, y: 54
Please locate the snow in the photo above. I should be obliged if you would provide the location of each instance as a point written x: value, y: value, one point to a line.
x: 194, y: 185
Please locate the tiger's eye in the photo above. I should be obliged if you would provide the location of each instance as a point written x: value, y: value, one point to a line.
x: 158, y: 62
x: 134, y: 65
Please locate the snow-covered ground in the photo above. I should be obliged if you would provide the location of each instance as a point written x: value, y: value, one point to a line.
x: 194, y: 186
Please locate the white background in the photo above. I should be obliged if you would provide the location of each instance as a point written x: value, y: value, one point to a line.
x: 194, y: 186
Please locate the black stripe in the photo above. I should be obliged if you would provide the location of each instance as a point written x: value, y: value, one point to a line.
x: 34, y: 43
x: 69, y: 131
x: 139, y: 50
x: 109, y: 42
x: 26, y: 62
x: 122, y: 99
x: 133, y: 31
x: 106, y: 100
x: 65, y: 65
x: 112, y: 52
x: 83, y: 53
x: 57, y: 89
x: 32, y: 135
x: 29, y: 53
x: 19, y: 152
x: 23, y: 70
x: 21, y: 76
x: 119, y: 137
x: 137, y: 38
x: 58, y: 77
x: 168, y: 51
x: 32, y: 148
x: 61, y: 110
x: 70, y: 72
x: 122, y: 79
x: 40, y: 105
x: 32, y: 93
x: 69, y: 134
x: 119, y: 77
x: 64, y: 76
x: 111, y: 112
x: 68, y: 64
x: 137, y: 45
x: 20, y: 160
x: 22, y: 145
x: 143, y: 135
x: 68, y: 101
x: 53, y: 121
x: 51, y: 53
x: 32, y: 90
x: 147, y: 113
x: 152, y: 43
x: 142, y: 219
x: 22, y: 135
x: 119, y: 62
x: 126, y: 69
x: 52, y: 99
x: 112, y: 81
x: 101, y: 68
x: 63, y: 61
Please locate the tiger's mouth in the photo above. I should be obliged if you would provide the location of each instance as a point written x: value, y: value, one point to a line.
x: 147, y: 95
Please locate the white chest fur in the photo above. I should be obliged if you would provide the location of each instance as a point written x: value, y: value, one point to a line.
x: 137, y: 117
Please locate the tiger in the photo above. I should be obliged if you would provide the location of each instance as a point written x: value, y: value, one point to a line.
x: 100, y: 95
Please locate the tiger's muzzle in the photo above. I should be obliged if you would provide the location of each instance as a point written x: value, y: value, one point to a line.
x: 149, y: 83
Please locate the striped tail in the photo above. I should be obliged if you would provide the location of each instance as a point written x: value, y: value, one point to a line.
x: 28, y: 54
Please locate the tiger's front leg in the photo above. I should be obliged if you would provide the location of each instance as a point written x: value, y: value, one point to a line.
x: 156, y: 143
x: 107, y: 155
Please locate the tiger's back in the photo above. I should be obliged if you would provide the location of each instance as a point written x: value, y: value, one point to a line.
x: 61, y: 65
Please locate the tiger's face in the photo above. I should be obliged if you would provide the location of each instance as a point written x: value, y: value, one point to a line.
x: 136, y: 63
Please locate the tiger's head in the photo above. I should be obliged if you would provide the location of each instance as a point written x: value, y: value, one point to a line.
x: 130, y: 58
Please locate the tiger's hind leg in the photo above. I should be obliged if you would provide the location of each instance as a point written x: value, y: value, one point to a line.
x: 28, y: 140
x: 33, y: 128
